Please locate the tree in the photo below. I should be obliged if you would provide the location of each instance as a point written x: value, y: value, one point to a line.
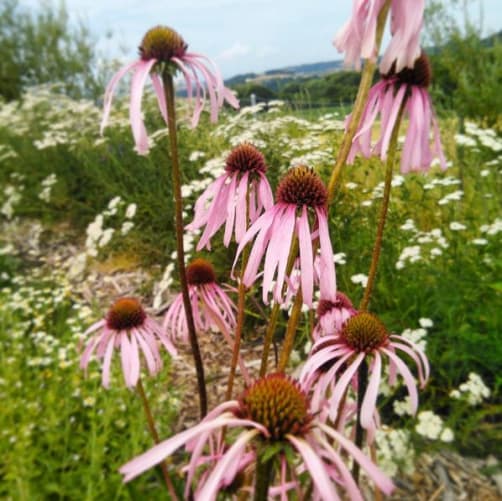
x: 467, y: 68
x: 44, y: 47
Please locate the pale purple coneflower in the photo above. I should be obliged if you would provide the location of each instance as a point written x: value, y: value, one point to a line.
x: 272, y: 411
x: 335, y: 360
x: 129, y: 329
x: 212, y: 308
x: 225, y: 201
x: 407, y: 88
x: 300, y: 195
x: 332, y: 314
x: 357, y: 38
x: 163, y: 49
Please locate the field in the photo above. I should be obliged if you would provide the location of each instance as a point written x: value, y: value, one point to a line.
x: 82, y: 214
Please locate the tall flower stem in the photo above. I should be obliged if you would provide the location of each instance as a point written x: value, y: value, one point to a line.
x: 180, y: 251
x: 153, y: 432
x: 362, y: 95
x: 362, y: 383
x: 241, y: 303
x: 274, y: 315
x: 263, y: 479
x: 383, y: 212
x: 289, y: 338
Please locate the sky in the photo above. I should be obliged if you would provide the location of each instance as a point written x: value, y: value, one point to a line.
x: 242, y: 36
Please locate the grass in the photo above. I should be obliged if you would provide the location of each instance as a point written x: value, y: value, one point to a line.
x: 63, y: 435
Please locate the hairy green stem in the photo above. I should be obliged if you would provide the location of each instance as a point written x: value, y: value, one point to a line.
x: 263, y: 478
x: 241, y: 304
x: 362, y: 95
x: 155, y: 436
x: 362, y: 383
x: 180, y: 251
x: 383, y: 212
x: 274, y: 315
x: 289, y: 338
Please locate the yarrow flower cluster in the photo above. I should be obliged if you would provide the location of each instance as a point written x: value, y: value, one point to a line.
x: 473, y: 390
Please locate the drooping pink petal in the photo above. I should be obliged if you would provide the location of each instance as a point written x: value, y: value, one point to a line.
x: 418, y: 351
x: 380, y: 479
x: 137, y: 86
x: 409, y: 380
x: 347, y: 478
x: 370, y: 397
x: 213, y: 483
x: 164, y: 449
x: 160, y: 93
x: 406, y: 25
x: 110, y: 90
x: 105, y: 379
x: 306, y: 258
x: 327, y: 279
x: 344, y: 381
x: 315, y: 467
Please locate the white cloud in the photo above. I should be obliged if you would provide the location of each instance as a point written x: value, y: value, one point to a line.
x: 238, y: 49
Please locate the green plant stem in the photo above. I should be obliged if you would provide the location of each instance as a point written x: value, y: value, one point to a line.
x: 289, y: 338
x: 180, y: 252
x: 360, y: 102
x: 241, y: 303
x: 274, y: 314
x: 362, y: 383
x: 156, y: 439
x: 383, y: 212
x: 263, y: 479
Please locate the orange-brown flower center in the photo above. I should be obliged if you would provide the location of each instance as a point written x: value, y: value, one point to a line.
x: 245, y: 158
x: 302, y: 186
x: 126, y: 313
x: 162, y: 43
x: 278, y: 403
x: 364, y: 332
x: 200, y: 271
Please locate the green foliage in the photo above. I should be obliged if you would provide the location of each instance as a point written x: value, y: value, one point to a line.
x: 467, y: 68
x: 44, y: 47
x: 64, y: 435
x: 335, y: 89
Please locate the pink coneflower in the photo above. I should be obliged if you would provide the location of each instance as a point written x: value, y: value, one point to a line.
x: 225, y: 200
x: 407, y: 88
x: 273, y: 411
x: 163, y: 49
x: 128, y: 328
x: 334, y: 361
x: 301, y: 194
x: 211, y: 307
x: 332, y: 314
x: 357, y: 37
